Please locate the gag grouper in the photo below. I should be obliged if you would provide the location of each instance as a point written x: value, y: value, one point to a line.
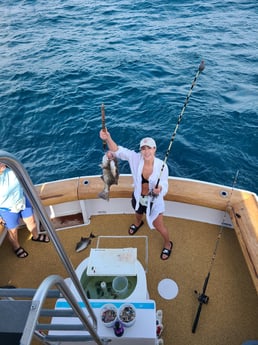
x: 110, y: 174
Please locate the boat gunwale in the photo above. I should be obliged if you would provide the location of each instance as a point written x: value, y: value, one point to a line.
x: 180, y: 190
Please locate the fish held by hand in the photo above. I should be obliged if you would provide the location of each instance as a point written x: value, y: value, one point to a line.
x: 110, y: 174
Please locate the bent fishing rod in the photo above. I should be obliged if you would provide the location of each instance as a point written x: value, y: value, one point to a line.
x: 200, y: 69
x: 202, y: 297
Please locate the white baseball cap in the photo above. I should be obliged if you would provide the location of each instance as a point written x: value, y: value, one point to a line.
x: 148, y: 142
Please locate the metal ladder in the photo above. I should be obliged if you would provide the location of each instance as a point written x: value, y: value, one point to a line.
x: 32, y: 308
x: 21, y: 316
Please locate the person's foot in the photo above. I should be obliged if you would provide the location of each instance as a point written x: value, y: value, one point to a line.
x: 41, y: 238
x: 21, y: 253
x: 165, y: 254
x: 133, y: 228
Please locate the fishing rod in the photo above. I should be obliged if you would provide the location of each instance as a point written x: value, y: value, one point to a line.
x: 202, y: 297
x: 103, y: 120
x: 200, y: 69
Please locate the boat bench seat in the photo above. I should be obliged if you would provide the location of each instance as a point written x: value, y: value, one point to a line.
x: 244, y: 216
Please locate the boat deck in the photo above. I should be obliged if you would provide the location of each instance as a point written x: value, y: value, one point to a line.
x: 231, y: 315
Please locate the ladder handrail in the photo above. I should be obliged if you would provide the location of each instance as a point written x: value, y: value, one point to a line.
x: 37, y: 303
x: 29, y: 189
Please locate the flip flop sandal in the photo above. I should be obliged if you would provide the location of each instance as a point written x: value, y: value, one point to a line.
x: 41, y: 238
x: 166, y: 252
x: 133, y: 228
x: 21, y: 253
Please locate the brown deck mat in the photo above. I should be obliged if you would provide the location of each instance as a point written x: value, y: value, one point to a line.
x: 229, y: 318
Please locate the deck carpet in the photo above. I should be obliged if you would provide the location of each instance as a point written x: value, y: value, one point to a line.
x: 230, y: 317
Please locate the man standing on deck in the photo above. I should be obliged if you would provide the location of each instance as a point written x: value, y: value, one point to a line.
x: 13, y: 206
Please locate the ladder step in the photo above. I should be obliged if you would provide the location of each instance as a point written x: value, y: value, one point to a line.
x: 68, y: 338
x: 61, y: 327
x: 57, y: 312
x: 7, y: 292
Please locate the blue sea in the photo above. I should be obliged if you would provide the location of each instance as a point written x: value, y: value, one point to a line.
x: 61, y: 59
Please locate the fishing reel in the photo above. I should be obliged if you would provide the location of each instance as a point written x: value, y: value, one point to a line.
x: 152, y: 194
x: 202, y: 298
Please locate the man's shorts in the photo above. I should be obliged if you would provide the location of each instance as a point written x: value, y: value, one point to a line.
x: 12, y: 219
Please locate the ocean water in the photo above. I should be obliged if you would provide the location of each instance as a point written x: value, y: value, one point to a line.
x: 61, y: 59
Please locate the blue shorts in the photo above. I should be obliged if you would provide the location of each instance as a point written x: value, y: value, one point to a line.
x: 12, y: 220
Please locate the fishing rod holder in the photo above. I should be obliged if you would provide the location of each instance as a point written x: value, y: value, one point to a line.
x: 202, y: 298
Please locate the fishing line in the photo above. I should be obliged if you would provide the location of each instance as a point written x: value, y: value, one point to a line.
x: 202, y: 298
x: 200, y: 69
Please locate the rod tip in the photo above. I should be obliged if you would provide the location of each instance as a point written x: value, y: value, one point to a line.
x: 201, y: 66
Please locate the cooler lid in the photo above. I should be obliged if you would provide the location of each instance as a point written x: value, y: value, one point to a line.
x: 112, y: 262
